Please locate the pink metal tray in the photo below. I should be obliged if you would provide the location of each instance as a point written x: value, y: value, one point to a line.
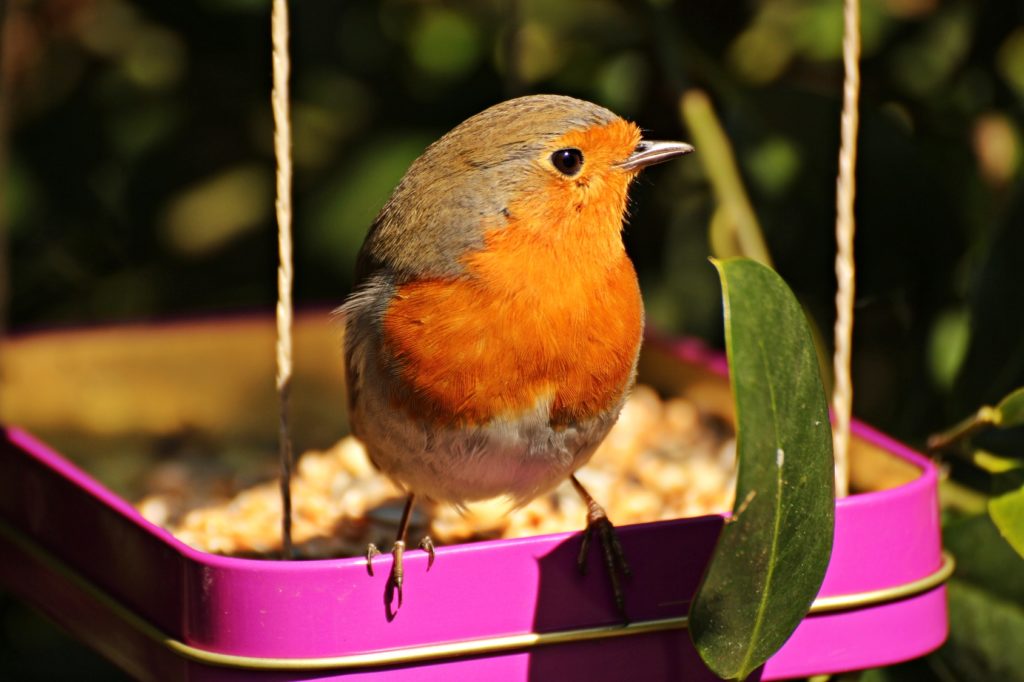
x: 509, y: 610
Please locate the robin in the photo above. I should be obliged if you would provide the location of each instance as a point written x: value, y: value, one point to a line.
x: 494, y: 329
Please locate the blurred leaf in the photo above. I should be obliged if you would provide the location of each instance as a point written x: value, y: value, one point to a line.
x: 327, y: 109
x: 984, y: 638
x: 773, y: 164
x: 315, y: 133
x: 18, y: 195
x: 817, y: 29
x: 1011, y: 409
x: 813, y: 29
x: 621, y: 82
x: 994, y: 464
x: 983, y: 557
x: 927, y: 61
x: 761, y: 53
x: 947, y: 345
x: 208, y: 215
x: 1007, y: 513
x: 716, y: 155
x: 150, y: 56
x: 538, y: 54
x: 154, y: 58
x: 1010, y: 60
x: 343, y: 209
x: 962, y: 499
x: 445, y: 43
x: 770, y: 560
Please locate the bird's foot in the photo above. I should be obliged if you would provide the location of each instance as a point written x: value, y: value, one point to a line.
x: 397, y: 575
x: 614, y: 557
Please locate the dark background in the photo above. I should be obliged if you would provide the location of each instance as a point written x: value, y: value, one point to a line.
x: 138, y: 179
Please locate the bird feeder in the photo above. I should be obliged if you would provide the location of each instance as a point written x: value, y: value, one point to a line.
x: 508, y: 609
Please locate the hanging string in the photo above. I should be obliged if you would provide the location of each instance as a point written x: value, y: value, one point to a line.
x: 282, y: 152
x: 842, y: 393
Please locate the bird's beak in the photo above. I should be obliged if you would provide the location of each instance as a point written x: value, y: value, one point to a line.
x: 650, y: 152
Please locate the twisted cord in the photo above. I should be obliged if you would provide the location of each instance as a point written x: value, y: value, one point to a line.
x: 282, y: 152
x: 842, y: 393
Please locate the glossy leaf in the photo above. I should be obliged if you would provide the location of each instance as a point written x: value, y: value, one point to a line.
x: 771, y: 557
x: 1007, y: 512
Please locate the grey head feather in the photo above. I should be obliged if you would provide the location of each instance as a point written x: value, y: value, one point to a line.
x: 473, y: 166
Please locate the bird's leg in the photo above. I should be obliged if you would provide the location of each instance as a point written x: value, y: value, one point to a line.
x: 614, y: 557
x: 398, y: 550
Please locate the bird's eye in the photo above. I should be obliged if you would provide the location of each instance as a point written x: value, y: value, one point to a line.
x: 568, y: 161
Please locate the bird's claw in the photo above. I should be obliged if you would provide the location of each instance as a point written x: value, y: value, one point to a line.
x: 614, y: 557
x: 427, y: 545
x: 371, y: 551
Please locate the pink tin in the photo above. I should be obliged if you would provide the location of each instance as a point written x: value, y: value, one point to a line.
x: 509, y: 610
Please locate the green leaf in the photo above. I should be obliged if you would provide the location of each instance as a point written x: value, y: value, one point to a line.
x: 772, y: 555
x: 983, y: 558
x: 986, y: 598
x: 1007, y: 512
x: 994, y: 464
x: 1011, y: 409
x: 947, y: 345
x: 984, y: 636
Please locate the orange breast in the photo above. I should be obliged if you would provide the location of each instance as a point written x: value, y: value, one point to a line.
x: 535, y: 321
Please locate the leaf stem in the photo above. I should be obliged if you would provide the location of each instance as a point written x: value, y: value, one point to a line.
x: 719, y: 162
x: 985, y: 416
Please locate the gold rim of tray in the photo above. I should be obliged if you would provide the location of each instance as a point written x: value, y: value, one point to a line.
x: 449, y: 649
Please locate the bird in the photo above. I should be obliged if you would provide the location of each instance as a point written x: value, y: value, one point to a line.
x: 493, y: 329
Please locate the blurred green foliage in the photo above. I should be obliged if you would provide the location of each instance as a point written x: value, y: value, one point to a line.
x: 138, y: 181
